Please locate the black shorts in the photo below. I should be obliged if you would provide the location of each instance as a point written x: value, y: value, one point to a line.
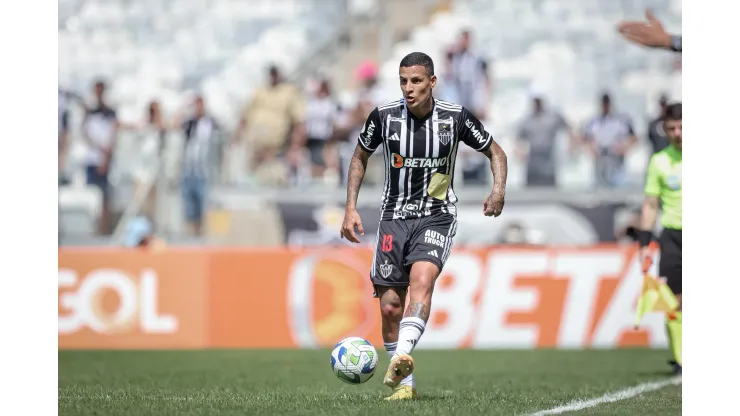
x: 670, y: 258
x: 316, y: 151
x: 401, y: 243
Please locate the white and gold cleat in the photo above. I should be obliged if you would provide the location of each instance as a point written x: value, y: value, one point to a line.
x: 401, y: 366
x: 403, y: 393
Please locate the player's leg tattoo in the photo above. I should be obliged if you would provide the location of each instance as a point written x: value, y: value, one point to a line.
x: 413, y: 324
x: 422, y: 277
x: 418, y: 310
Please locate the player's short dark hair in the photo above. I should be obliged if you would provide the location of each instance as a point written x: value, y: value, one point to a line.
x: 673, y: 112
x: 420, y: 59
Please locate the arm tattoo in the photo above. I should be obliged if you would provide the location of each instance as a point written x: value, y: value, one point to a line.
x: 499, y: 166
x: 356, y: 174
x: 417, y: 310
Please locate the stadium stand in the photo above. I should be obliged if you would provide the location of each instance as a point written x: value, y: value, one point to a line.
x: 169, y: 50
x: 529, y: 46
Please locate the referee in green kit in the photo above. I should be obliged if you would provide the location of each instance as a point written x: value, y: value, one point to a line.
x: 663, y: 188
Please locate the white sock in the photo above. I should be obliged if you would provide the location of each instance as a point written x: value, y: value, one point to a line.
x: 409, y: 333
x: 390, y: 348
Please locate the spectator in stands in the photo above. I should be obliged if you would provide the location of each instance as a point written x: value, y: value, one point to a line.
x: 676, y: 80
x: 199, y: 131
x: 151, y: 133
x: 140, y: 234
x: 469, y: 73
x: 100, y: 131
x: 447, y: 83
x: 537, y: 140
x: 656, y: 134
x: 270, y: 125
x: 351, y: 119
x: 321, y: 116
x: 609, y: 137
x: 370, y: 94
x: 62, y: 132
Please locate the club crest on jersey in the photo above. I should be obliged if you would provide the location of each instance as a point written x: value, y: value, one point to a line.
x: 673, y: 182
x: 386, y: 269
x: 418, y: 162
x: 444, y: 133
x: 674, y: 179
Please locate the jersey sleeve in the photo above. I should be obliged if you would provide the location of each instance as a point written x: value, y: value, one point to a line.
x: 652, y: 183
x: 370, y: 137
x: 472, y: 133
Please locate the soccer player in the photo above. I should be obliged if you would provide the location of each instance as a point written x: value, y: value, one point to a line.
x: 663, y: 188
x: 420, y: 136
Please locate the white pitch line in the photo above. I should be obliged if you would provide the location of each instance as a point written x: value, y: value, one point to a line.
x: 627, y: 393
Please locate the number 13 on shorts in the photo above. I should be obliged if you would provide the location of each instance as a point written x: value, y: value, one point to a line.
x: 387, y: 243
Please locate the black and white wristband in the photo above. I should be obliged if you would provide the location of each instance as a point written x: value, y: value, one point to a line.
x: 676, y: 43
x: 644, y: 238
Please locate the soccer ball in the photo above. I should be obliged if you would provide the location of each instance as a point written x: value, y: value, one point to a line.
x: 353, y: 360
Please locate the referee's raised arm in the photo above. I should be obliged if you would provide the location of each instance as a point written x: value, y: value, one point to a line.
x: 650, y: 33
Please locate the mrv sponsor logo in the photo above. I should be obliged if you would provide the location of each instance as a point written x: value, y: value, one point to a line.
x: 477, y: 134
x: 367, y: 134
x: 418, y: 162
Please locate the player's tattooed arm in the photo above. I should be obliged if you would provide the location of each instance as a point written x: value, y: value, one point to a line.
x: 418, y: 310
x: 494, y: 202
x: 499, y: 166
x: 352, y: 218
x: 357, y: 167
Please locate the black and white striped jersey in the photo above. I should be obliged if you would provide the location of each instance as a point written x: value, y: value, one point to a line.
x: 420, y: 155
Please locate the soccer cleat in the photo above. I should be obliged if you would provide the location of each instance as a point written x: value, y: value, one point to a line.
x: 401, y: 366
x: 677, y: 368
x: 403, y: 393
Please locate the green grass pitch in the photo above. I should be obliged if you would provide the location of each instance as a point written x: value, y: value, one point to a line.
x: 300, y: 382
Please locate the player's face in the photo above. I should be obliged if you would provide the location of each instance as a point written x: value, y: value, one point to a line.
x: 673, y: 131
x: 416, y: 85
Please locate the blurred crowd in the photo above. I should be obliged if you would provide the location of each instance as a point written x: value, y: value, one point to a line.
x: 292, y: 135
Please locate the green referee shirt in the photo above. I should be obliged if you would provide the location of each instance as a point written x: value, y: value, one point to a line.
x: 664, y: 180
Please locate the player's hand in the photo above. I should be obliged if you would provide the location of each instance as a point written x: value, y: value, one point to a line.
x: 493, y: 204
x: 351, y: 220
x: 650, y: 33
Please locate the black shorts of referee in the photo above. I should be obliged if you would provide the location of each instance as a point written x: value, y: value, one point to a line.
x: 670, y: 258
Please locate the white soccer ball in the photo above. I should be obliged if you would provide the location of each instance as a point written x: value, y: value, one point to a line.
x: 353, y: 360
